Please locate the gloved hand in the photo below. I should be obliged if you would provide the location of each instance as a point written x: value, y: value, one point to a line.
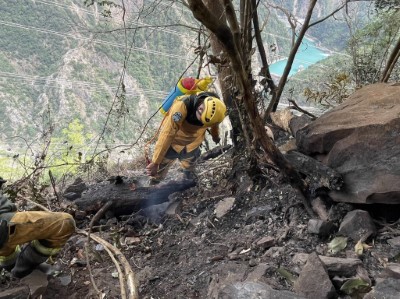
x: 216, y: 139
x: 152, y: 169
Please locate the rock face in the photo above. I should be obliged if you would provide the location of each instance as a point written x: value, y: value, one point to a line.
x: 361, y: 140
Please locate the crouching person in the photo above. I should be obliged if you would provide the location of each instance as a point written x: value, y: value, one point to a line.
x: 28, y: 239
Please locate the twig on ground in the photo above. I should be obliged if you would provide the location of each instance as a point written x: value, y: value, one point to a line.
x: 120, y: 274
x: 97, y: 216
x: 37, y: 204
x: 129, y: 274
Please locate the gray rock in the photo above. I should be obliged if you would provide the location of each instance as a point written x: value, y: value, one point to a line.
x: 335, y: 266
x: 224, y: 206
x: 314, y: 271
x: 320, y: 227
x: 392, y: 270
x: 360, y: 139
x: 388, y: 289
x: 357, y: 225
x: 265, y: 242
x: 37, y: 283
x: 395, y: 242
x: 15, y: 293
x: 254, y: 290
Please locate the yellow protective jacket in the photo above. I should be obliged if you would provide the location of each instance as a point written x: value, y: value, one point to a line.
x: 178, y: 133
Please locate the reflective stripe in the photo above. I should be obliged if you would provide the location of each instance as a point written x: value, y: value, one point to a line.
x: 44, y: 250
x: 5, y: 260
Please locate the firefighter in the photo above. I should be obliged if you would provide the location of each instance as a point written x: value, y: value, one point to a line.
x: 28, y: 239
x: 183, y: 131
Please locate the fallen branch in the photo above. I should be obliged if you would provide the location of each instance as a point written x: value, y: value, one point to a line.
x: 120, y: 274
x: 37, y: 204
x: 98, y: 215
x: 297, y: 107
x: 129, y: 274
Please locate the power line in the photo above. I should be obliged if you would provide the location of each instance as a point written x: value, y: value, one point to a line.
x: 157, y: 28
x: 45, y: 80
x: 90, y: 40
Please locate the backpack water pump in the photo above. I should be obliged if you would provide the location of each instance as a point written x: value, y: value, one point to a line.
x: 185, y: 86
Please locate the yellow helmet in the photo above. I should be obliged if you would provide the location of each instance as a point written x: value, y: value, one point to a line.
x: 214, y: 111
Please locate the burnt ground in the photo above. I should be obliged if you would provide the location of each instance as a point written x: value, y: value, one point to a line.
x: 190, y: 253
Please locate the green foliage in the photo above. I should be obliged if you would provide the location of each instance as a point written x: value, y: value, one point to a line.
x: 68, y: 152
x: 316, y: 77
x: 371, y: 46
x: 333, y: 92
x: 9, y: 166
x: 387, y: 4
x: 5, y: 65
x: 356, y: 287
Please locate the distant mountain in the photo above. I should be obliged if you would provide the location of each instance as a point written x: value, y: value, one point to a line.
x: 61, y: 61
x: 56, y: 65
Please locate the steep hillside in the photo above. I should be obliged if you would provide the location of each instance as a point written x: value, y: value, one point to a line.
x: 61, y: 61
x: 57, y: 66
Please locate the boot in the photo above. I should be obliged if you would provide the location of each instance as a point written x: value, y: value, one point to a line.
x: 8, y: 262
x: 28, y: 260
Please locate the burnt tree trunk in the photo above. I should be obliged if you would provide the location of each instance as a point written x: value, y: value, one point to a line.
x: 126, y: 200
x: 319, y: 177
x: 225, y: 75
x: 240, y: 64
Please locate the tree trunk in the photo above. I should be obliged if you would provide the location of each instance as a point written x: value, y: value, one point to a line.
x: 273, y: 105
x: 225, y: 75
x: 265, y: 67
x: 394, y: 56
x: 231, y: 43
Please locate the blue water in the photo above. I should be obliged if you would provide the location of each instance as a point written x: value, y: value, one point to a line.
x: 307, y: 55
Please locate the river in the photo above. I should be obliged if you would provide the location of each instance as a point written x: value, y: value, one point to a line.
x: 307, y: 55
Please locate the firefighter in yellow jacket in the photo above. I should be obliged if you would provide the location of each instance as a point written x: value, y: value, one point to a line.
x: 28, y: 239
x: 183, y: 131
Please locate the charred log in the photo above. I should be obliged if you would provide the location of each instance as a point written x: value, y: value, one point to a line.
x: 319, y: 177
x: 126, y: 198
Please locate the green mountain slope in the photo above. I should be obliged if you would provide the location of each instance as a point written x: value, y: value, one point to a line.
x: 61, y: 61
x: 55, y: 61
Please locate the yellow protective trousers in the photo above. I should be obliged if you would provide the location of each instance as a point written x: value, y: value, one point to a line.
x: 51, y: 229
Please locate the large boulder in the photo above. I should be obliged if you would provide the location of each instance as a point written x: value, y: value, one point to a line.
x: 361, y: 140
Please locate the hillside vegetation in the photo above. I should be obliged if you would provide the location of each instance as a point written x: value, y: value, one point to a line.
x: 64, y: 64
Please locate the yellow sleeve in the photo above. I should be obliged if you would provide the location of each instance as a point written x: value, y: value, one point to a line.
x: 171, y: 125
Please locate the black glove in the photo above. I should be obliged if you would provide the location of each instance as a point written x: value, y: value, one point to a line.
x: 3, y: 233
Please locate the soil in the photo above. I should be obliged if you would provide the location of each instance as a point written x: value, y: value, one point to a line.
x: 190, y: 253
